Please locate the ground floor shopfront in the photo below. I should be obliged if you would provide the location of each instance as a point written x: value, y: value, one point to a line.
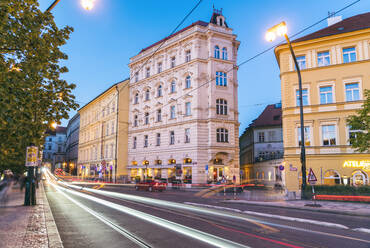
x: 101, y: 170
x: 329, y: 169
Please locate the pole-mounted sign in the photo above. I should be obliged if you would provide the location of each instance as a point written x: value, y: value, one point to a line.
x: 31, y: 156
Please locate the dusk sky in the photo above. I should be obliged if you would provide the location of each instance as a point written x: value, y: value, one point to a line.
x: 106, y: 37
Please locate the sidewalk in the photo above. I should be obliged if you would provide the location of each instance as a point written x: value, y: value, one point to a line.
x: 31, y: 226
x: 358, y: 209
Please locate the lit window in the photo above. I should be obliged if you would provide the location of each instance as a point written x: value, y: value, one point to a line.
x: 187, y: 135
x: 172, y: 137
x: 224, y: 53
x: 159, y: 67
x: 147, y: 95
x: 173, y: 87
x: 134, y: 143
x: 328, y: 135
x: 349, y: 55
x: 307, y: 140
x: 173, y: 62
x: 221, y: 107
x: 221, y: 78
x: 304, y: 97
x: 188, y: 56
x: 326, y: 94
x: 136, y: 99
x: 159, y: 115
x: 188, y: 108
x: 187, y: 82
x: 159, y: 91
x: 172, y: 112
x: 158, y: 141
x: 301, y: 60
x: 222, y: 135
x: 145, y: 140
x: 352, y: 92
x: 147, y: 72
x: 217, y: 52
x: 261, y: 137
x: 146, y: 118
x: 323, y: 59
x: 135, y: 121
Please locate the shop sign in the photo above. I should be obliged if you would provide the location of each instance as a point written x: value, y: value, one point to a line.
x: 31, y: 156
x: 362, y: 164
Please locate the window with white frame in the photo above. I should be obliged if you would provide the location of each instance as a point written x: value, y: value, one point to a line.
x: 173, y: 87
x: 307, y: 138
x: 271, y: 135
x: 352, y: 92
x: 261, y: 137
x: 173, y: 62
x: 217, y: 52
x: 136, y: 98
x: 301, y: 60
x: 146, y: 118
x: 159, y: 115
x: 224, y: 53
x: 135, y: 120
x: 187, y: 135
x: 349, y: 54
x: 187, y: 108
x: 158, y: 139
x: 147, y: 74
x: 159, y: 67
x: 147, y: 95
x: 134, y: 143
x: 187, y: 82
x: 304, y: 97
x: 172, y: 112
x: 172, y: 137
x: 221, y: 78
x: 352, y: 134
x: 221, y: 107
x: 326, y: 94
x: 113, y: 107
x: 112, y: 128
x: 107, y: 129
x: 187, y: 56
x: 146, y: 140
x: 106, y: 150
x: 328, y: 135
x: 159, y: 91
x: 222, y: 135
x: 323, y: 58
x: 111, y: 150
x: 136, y: 77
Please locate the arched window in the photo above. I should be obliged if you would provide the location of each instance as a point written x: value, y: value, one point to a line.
x: 221, y: 78
x: 187, y: 82
x: 221, y: 107
x: 222, y: 135
x: 159, y: 91
x: 136, y: 99
x: 135, y: 121
x: 146, y: 118
x: 173, y: 87
x: 217, y: 52
x: 171, y: 161
x: 224, y: 53
x: 147, y: 95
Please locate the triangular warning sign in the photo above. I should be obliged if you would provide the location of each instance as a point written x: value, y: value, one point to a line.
x: 311, y: 176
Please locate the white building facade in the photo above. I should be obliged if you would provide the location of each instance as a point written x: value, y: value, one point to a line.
x: 183, y: 116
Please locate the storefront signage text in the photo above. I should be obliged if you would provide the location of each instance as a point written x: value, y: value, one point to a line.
x: 363, y: 164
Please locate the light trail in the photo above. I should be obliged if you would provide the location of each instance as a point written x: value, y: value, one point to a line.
x: 175, y: 227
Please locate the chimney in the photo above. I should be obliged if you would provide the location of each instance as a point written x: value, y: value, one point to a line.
x: 332, y: 19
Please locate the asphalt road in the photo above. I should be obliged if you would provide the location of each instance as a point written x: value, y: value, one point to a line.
x: 97, y: 218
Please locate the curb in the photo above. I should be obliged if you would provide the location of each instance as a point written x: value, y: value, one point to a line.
x: 52, y: 230
x: 344, y: 212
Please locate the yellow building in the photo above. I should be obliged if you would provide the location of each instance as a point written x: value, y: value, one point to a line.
x: 102, y: 149
x: 335, y: 69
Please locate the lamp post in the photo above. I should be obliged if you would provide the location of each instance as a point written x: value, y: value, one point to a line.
x: 281, y: 30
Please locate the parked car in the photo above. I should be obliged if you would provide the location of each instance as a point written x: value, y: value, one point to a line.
x: 150, y: 185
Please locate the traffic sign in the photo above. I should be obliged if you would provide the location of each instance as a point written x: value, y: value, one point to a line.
x: 311, y: 176
x: 31, y: 156
x: 281, y: 167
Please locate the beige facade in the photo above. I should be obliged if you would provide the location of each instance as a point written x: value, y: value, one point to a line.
x: 102, y: 146
x: 335, y: 71
x: 176, y: 127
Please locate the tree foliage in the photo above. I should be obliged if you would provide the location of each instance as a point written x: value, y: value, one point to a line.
x: 32, y: 94
x: 361, y: 122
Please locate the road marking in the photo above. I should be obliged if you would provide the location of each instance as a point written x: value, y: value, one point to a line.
x: 362, y: 230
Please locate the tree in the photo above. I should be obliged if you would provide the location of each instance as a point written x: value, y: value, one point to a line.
x: 361, y: 122
x: 32, y: 94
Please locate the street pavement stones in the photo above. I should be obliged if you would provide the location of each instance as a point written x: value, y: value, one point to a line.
x: 27, y: 226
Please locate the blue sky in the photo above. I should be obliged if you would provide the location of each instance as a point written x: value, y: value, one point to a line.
x: 105, y: 38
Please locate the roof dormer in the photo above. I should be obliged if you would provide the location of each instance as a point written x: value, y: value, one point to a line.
x: 218, y: 19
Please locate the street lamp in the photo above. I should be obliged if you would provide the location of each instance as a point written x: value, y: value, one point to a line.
x: 86, y: 4
x: 54, y: 125
x: 281, y: 30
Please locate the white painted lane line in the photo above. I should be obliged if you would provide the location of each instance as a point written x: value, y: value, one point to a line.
x: 365, y: 230
x: 321, y: 223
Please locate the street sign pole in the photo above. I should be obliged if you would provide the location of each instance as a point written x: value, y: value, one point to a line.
x: 31, y: 163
